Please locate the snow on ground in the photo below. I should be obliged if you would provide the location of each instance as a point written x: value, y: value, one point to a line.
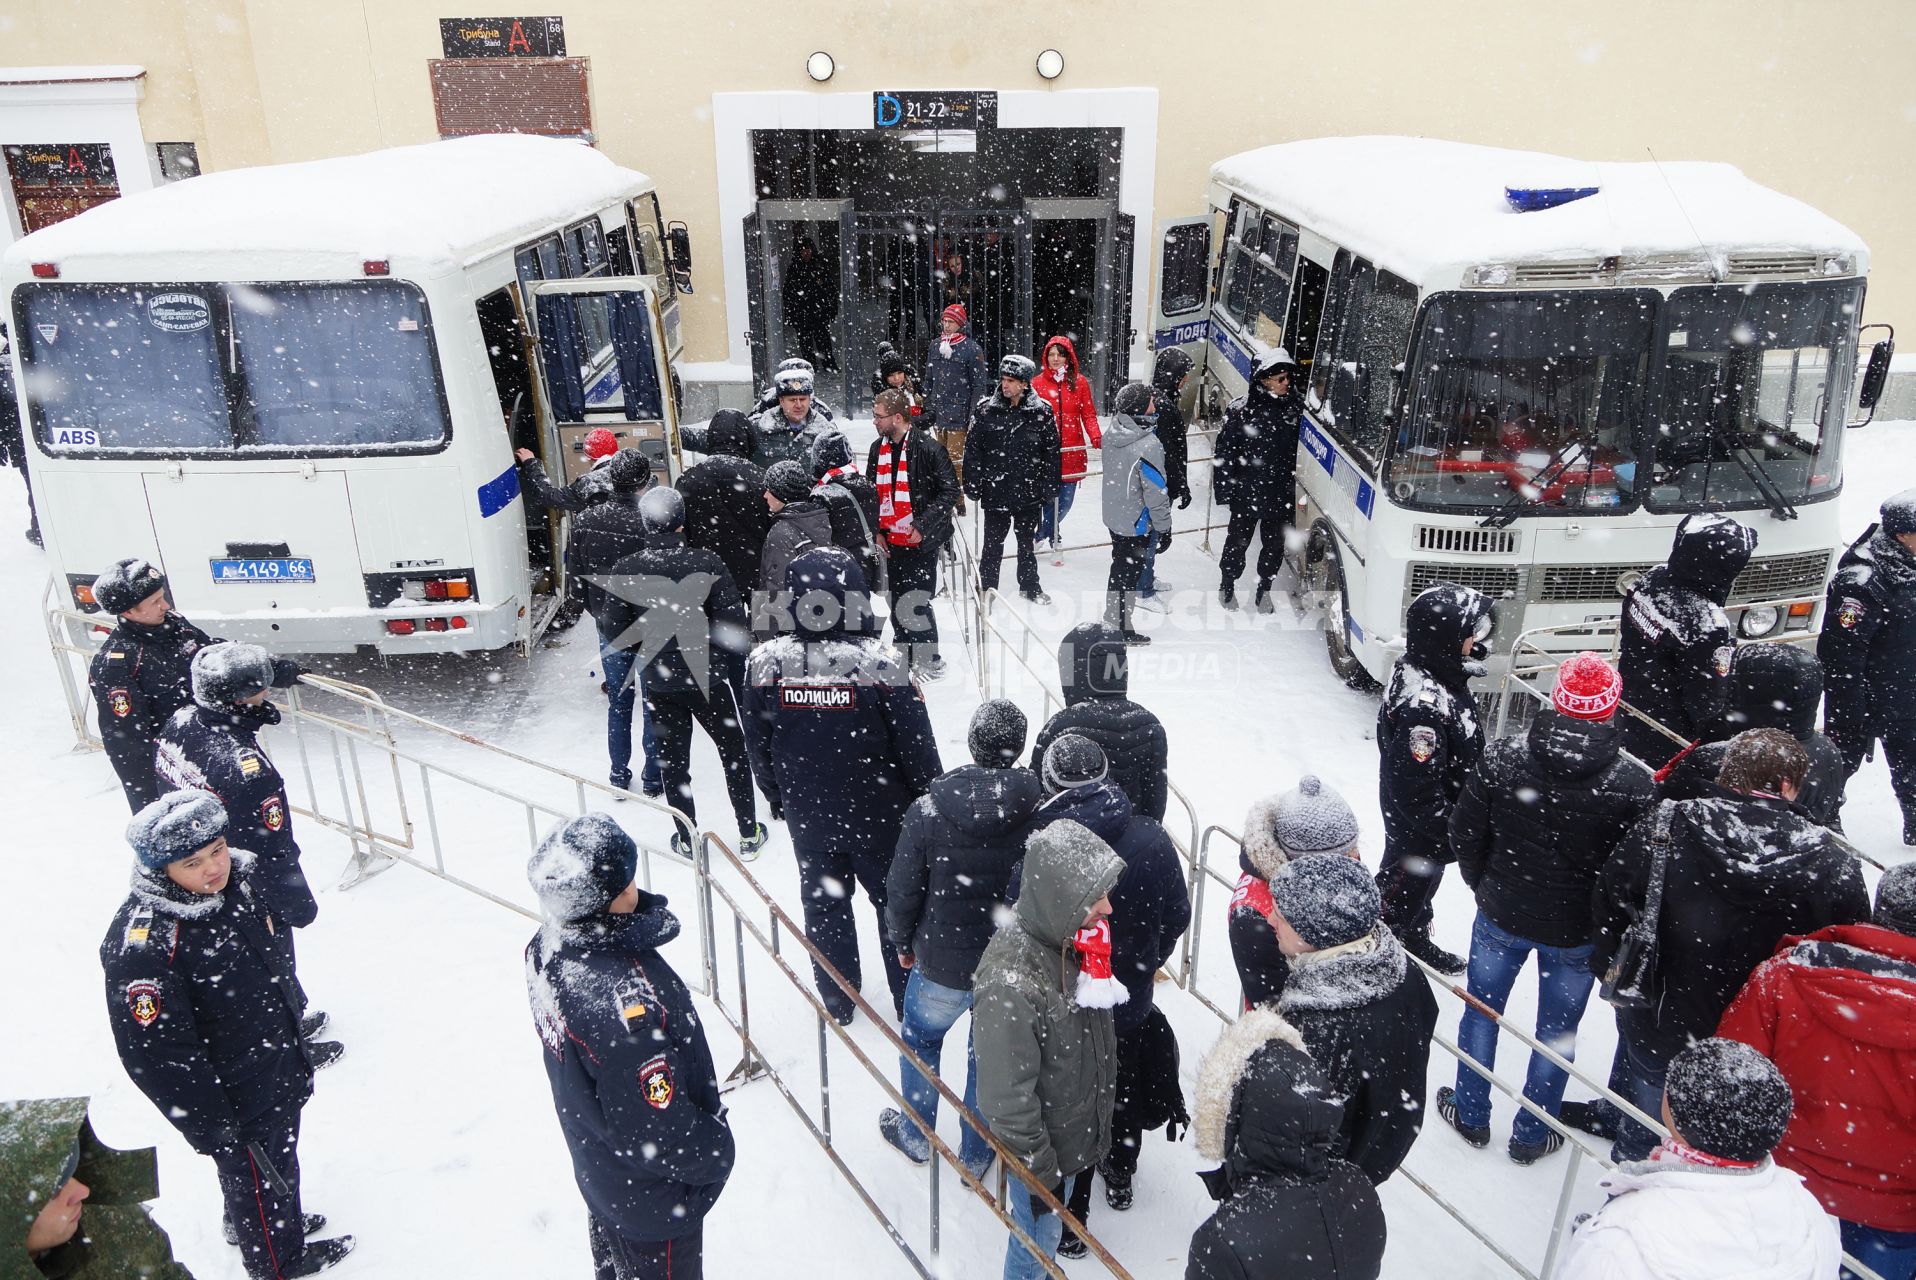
x: 433, y: 1140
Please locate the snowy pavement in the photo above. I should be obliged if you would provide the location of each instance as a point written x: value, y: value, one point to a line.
x: 433, y: 1140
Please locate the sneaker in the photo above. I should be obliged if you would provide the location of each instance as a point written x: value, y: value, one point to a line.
x: 620, y: 779
x: 930, y: 669
x: 1419, y: 943
x: 314, y: 1221
x: 1530, y: 1152
x: 312, y: 1024
x: 317, y: 1256
x: 1135, y: 638
x: 1153, y: 603
x: 652, y: 790
x: 1117, y: 1190
x: 1069, y: 1246
x: 1161, y: 587
x: 1592, y: 1117
x: 1263, y: 602
x: 1227, y: 596
x: 1036, y: 597
x: 903, y: 1135
x: 324, y: 1053
x: 1476, y: 1135
x: 750, y: 842
x: 682, y: 845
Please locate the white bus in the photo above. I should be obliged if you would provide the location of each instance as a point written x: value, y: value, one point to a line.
x: 299, y: 387
x: 1522, y: 371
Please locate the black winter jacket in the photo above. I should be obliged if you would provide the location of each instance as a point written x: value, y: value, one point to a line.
x: 602, y: 535
x: 1255, y: 458
x: 724, y: 496
x: 1367, y: 1015
x: 1676, y: 641
x: 1166, y: 372
x: 1094, y: 670
x: 1291, y: 1209
x: 576, y: 495
x: 631, y: 1073
x: 218, y: 751
x: 1741, y: 874
x: 139, y: 678
x: 1150, y: 906
x: 1428, y: 734
x: 796, y: 529
x: 934, y: 486
x: 851, y: 504
x: 706, y: 637
x: 954, y: 859
x: 1538, y: 818
x: 1771, y: 686
x: 1012, y: 455
x: 1868, y: 645
x: 1261, y: 966
x: 205, y: 1008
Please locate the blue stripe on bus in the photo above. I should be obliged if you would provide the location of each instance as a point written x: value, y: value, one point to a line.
x: 1227, y: 346
x: 496, y: 495
x: 1366, y: 497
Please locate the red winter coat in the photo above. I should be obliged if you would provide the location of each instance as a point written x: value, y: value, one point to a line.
x: 1836, y: 1011
x: 1072, y: 406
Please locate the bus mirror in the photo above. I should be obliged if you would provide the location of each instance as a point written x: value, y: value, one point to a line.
x: 678, y: 249
x: 1344, y: 380
x: 1875, y: 375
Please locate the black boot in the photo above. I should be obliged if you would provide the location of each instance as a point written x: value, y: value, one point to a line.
x: 1227, y: 596
x: 1264, y: 604
x: 317, y: 1256
x: 312, y: 1024
x: 1420, y: 944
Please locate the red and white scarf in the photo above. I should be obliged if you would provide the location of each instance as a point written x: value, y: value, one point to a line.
x: 1670, y: 1150
x: 893, y: 479
x: 1098, y: 987
x: 836, y: 473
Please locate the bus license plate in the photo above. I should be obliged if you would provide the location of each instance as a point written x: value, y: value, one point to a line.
x: 262, y: 571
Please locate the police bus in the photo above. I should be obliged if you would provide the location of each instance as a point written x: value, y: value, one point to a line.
x: 299, y: 387
x: 1522, y: 371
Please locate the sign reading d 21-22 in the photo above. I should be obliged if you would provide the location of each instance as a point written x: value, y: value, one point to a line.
x: 934, y: 109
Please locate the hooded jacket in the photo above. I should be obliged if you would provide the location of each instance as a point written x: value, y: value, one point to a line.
x: 1047, y: 1067
x: 1836, y: 1012
x: 839, y: 734
x: 45, y: 1141
x: 1167, y: 371
x: 1011, y: 455
x: 776, y: 438
x: 139, y: 678
x: 601, y: 536
x: 1073, y: 408
x: 1868, y: 645
x: 691, y: 633
x: 631, y: 1074
x: 1094, y: 670
x: 725, y: 509
x: 1537, y: 819
x: 1291, y: 1208
x: 955, y: 380
x: 1150, y: 905
x: 795, y: 529
x: 1675, y: 1221
x: 954, y: 859
x: 1742, y: 873
x: 1676, y: 641
x: 1428, y: 735
x: 1255, y: 459
x: 1366, y: 1014
x: 1137, y: 497
x: 1771, y: 686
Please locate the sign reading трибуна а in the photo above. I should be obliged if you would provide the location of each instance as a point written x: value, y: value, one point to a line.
x: 502, y: 37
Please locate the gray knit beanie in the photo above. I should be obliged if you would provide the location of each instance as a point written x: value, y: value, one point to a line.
x: 1327, y: 901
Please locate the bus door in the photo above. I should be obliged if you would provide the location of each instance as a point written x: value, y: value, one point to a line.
x: 603, y: 362
x: 1181, y: 312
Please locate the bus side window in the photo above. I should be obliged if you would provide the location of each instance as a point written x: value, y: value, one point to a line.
x: 618, y: 247
x: 1326, y: 346
x: 1307, y: 309
x: 1275, y: 267
x: 1372, y: 334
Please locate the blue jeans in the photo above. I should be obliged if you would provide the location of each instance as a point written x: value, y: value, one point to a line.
x: 622, y: 690
x: 1563, y: 988
x: 1890, y: 1254
x: 1637, y: 1073
x: 1148, y: 580
x: 1047, y: 1231
x: 930, y: 1011
x: 1051, y: 525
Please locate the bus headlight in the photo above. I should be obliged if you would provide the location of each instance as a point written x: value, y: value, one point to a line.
x: 1758, y: 621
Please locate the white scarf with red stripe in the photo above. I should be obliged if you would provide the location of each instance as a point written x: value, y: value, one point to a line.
x: 893, y: 479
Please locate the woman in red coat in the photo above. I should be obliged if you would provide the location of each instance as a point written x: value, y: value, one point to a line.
x: 1069, y: 395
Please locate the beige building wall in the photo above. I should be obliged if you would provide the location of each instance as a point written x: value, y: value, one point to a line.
x: 1815, y: 100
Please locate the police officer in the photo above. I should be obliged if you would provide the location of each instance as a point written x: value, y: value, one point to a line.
x: 214, y: 746
x: 631, y: 1073
x: 1677, y: 646
x: 841, y: 742
x: 206, y: 1012
x: 1868, y: 648
x: 1011, y: 463
x: 139, y: 677
x: 1428, y: 737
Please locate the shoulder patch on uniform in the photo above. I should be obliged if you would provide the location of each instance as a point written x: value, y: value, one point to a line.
x: 120, y: 703
x: 1427, y: 696
x: 1721, y: 660
x: 655, y: 1081
x: 635, y: 998
x: 138, y: 926
x: 143, y: 1001
x: 1423, y: 743
x: 1850, y: 612
x: 272, y: 812
x: 249, y: 763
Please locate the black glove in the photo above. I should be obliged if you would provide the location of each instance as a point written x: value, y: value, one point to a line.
x: 1184, y: 500
x: 1164, y: 542
x: 286, y: 673
x: 1039, y: 1208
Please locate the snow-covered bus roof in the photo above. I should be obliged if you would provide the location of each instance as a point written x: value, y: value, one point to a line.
x: 428, y: 208
x: 1426, y: 208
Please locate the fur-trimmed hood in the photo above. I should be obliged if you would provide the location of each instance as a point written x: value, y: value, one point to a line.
x: 1264, y: 1109
x: 1346, y: 977
x: 1261, y: 848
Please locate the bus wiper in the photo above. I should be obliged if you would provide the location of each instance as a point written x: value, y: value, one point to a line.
x: 1582, y: 449
x: 1759, y: 475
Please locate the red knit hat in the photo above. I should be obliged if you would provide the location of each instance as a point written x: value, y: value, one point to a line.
x: 1588, y: 688
x: 956, y: 311
x: 600, y: 443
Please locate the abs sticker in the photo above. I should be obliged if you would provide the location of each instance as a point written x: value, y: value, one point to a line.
x: 1849, y: 613
x: 272, y: 812
x: 178, y: 312
x: 1720, y: 660
x: 1423, y: 743
x: 120, y: 703
x: 655, y: 1081
x: 143, y: 1002
x: 818, y: 697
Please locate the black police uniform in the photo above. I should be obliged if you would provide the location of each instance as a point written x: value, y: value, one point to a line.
x: 633, y: 1082
x: 139, y: 678
x: 205, y: 1008
x: 218, y: 751
x: 1868, y: 648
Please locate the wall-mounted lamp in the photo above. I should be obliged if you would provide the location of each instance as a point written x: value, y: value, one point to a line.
x: 1051, y: 64
x: 820, y: 66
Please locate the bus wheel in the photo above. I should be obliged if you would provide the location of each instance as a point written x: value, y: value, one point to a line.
x: 1325, y: 584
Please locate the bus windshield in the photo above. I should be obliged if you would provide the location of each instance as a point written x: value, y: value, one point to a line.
x: 1754, y: 389
x: 223, y: 368
x: 1526, y: 398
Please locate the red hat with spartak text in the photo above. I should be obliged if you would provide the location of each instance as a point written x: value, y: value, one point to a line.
x: 600, y: 443
x: 1588, y: 688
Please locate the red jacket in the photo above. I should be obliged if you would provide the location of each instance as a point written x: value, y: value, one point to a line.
x: 1836, y: 1011
x: 1073, y: 407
